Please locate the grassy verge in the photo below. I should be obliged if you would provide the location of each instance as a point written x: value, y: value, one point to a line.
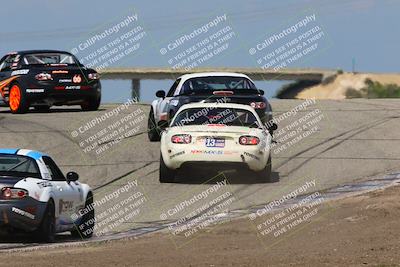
x: 375, y: 90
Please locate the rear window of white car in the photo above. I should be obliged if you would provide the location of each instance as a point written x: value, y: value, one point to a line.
x: 211, y: 115
x: 214, y: 83
x: 17, y: 165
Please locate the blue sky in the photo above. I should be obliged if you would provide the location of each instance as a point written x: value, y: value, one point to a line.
x: 364, y: 30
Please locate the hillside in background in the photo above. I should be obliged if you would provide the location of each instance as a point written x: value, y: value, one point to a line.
x: 346, y: 85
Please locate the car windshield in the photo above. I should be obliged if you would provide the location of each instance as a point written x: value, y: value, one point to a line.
x: 17, y: 165
x: 213, y: 83
x: 48, y: 59
x: 211, y: 115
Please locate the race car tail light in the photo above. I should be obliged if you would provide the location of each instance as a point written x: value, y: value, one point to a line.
x: 249, y: 140
x: 258, y: 105
x: 94, y: 76
x: 43, y: 77
x: 181, y: 139
x: 13, y: 193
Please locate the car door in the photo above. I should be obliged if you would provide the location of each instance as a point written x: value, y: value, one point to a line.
x: 69, y: 196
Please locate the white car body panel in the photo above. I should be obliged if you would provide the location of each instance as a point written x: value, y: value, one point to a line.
x: 68, y: 198
x: 255, y: 156
x: 159, y: 105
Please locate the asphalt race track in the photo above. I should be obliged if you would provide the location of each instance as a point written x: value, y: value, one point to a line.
x: 353, y: 140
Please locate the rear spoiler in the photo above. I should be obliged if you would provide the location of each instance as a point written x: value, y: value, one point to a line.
x: 225, y: 92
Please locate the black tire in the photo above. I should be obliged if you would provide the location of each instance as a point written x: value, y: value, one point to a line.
x: 85, y: 227
x: 91, y: 104
x: 152, y: 130
x: 166, y: 174
x: 47, y: 228
x: 23, y: 105
x: 43, y: 108
x: 265, y: 175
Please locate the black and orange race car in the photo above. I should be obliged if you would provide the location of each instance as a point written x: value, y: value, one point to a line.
x: 45, y: 78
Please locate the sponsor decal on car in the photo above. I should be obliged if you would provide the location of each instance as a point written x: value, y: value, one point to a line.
x: 177, y: 154
x: 29, y: 90
x: 65, y: 206
x: 72, y: 87
x: 65, y: 80
x: 20, y: 72
x: 251, y: 155
x: 44, y: 184
x: 229, y: 152
x: 77, y: 78
x: 59, y: 72
x: 209, y: 152
x: 6, y: 82
x: 23, y: 213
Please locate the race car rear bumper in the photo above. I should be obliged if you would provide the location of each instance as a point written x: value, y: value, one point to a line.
x: 23, y: 214
x: 63, y: 95
x: 254, y: 158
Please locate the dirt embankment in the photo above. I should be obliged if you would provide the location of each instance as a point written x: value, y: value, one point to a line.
x: 336, y: 88
x: 357, y: 231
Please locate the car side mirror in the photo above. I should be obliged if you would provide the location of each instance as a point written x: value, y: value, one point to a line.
x: 160, y: 93
x: 261, y: 92
x: 72, y: 177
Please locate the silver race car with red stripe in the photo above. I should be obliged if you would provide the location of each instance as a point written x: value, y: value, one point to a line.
x: 36, y: 197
